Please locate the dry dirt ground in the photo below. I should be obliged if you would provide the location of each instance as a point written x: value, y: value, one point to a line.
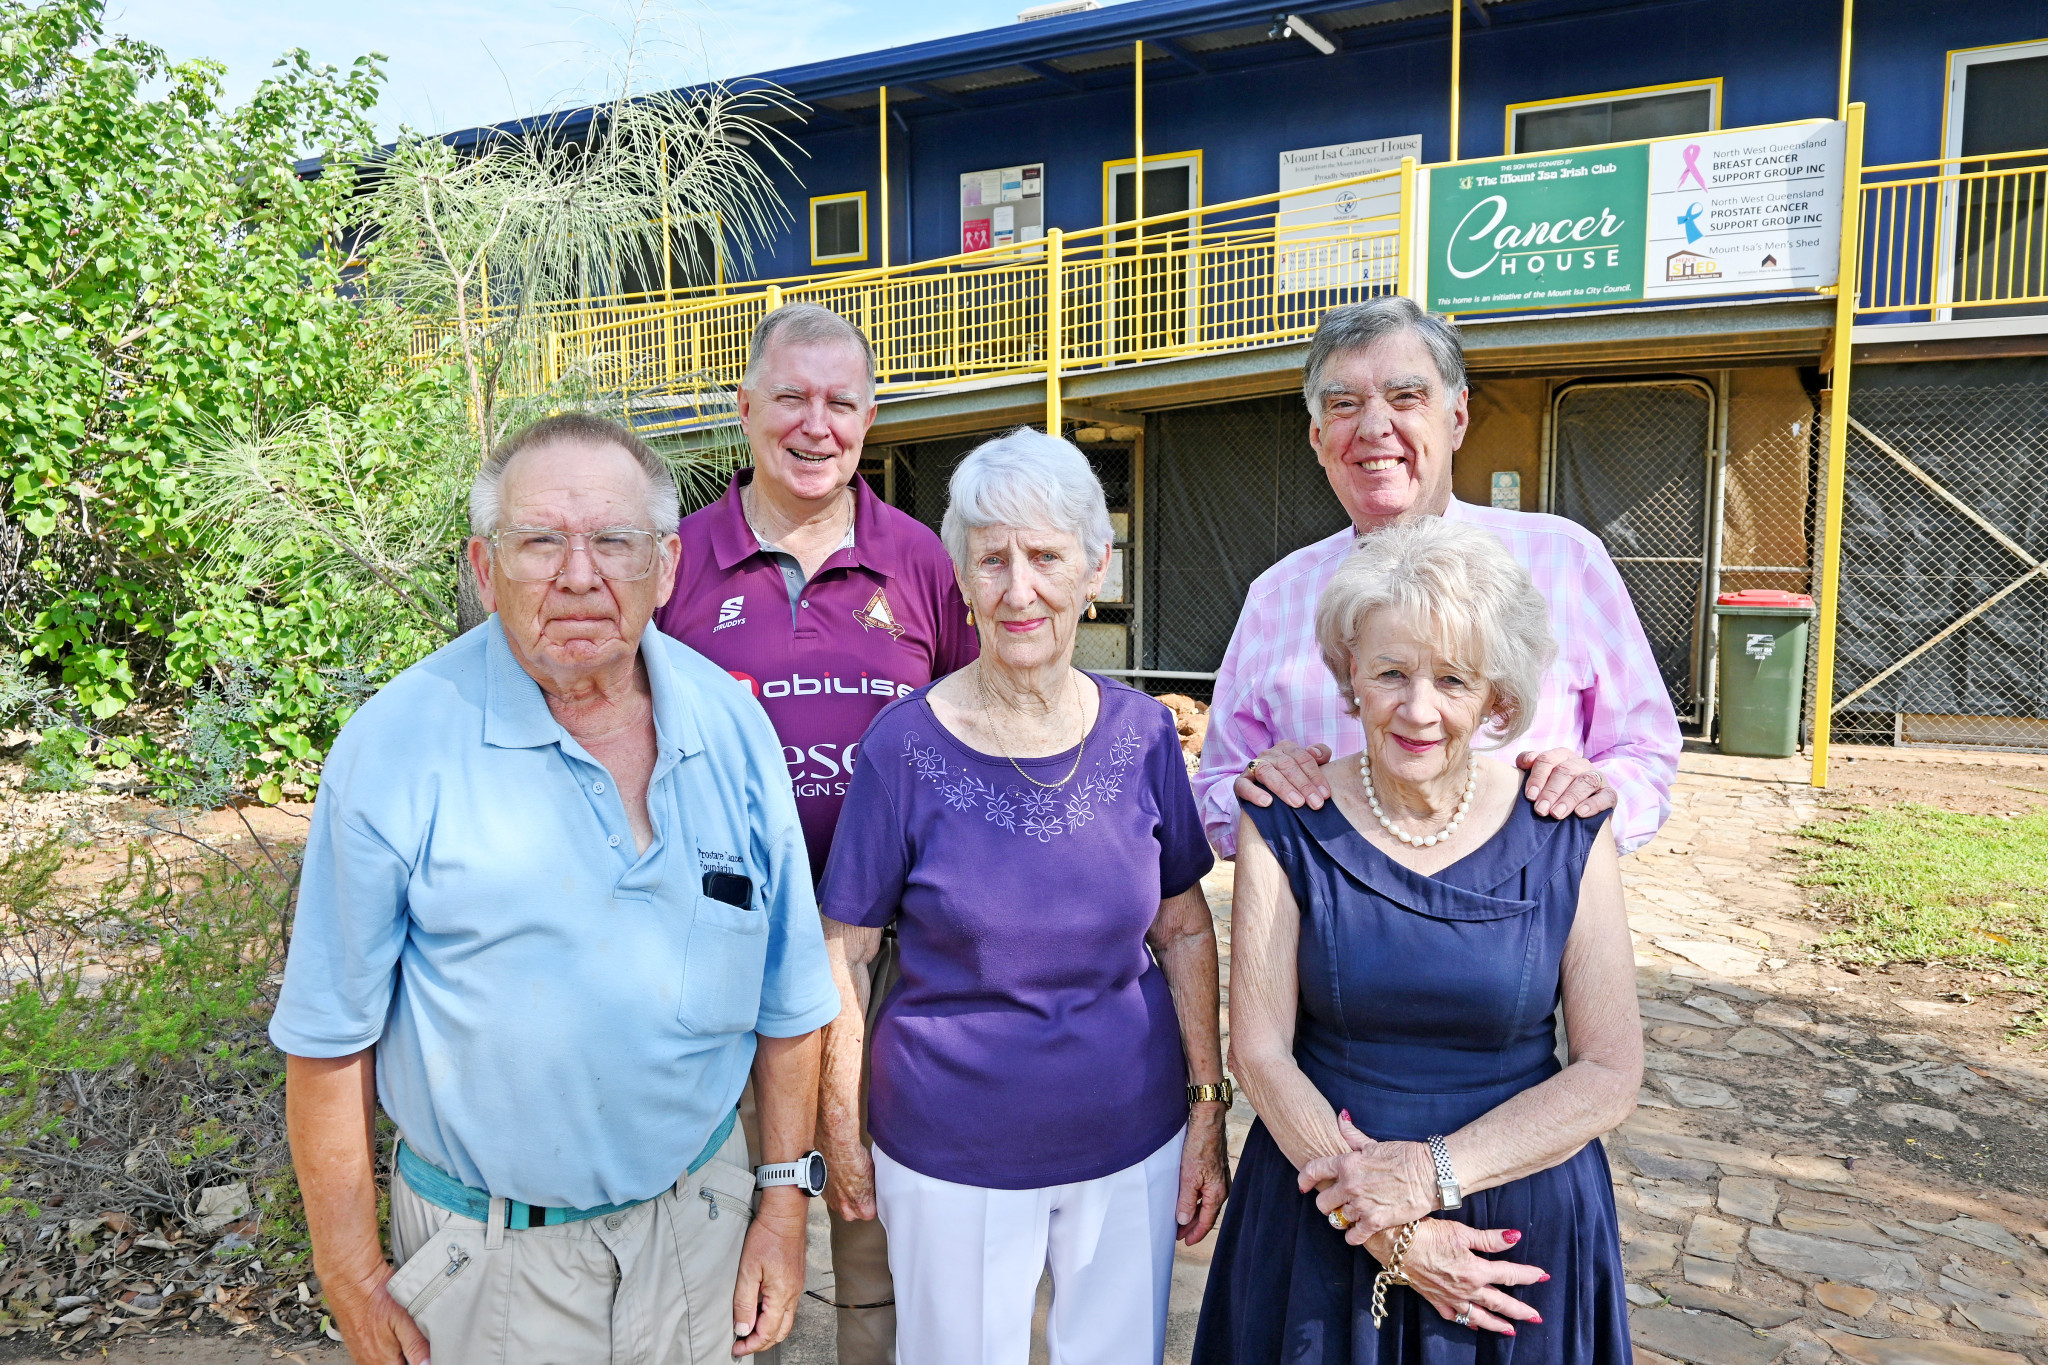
x: 1826, y: 1166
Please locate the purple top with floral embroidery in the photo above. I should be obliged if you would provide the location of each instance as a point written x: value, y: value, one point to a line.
x: 1032, y: 1040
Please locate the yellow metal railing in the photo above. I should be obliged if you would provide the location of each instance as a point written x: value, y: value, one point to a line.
x: 1960, y: 233
x: 1954, y: 234
x: 1222, y: 277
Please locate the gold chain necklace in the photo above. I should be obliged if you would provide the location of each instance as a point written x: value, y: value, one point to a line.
x: 988, y: 702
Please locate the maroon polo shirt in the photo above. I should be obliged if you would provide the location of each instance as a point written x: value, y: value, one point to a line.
x: 878, y: 620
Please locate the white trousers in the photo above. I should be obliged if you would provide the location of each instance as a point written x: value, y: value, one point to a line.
x: 967, y: 1263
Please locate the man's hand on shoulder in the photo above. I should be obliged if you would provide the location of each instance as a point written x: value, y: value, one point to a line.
x: 372, y: 1325
x: 1288, y: 771
x: 1563, y: 782
x: 771, y: 1272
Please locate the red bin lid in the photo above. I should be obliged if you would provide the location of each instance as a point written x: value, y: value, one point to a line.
x: 1764, y: 597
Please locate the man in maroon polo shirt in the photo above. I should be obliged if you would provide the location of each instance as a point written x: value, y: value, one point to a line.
x: 829, y: 604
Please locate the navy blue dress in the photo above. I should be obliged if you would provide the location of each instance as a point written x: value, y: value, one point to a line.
x: 1425, y: 1002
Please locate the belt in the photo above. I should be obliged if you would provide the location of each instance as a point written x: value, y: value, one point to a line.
x: 444, y: 1191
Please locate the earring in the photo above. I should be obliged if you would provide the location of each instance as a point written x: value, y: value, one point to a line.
x: 970, y: 616
x: 1091, y: 609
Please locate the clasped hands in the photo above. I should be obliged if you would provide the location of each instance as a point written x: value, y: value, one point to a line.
x: 1382, y: 1185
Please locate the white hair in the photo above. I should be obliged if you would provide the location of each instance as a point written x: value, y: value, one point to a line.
x: 1457, y: 585
x: 664, y: 506
x: 804, y: 324
x: 1026, y: 478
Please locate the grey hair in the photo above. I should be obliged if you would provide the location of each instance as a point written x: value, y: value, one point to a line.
x: 1026, y: 478
x: 1355, y: 326
x: 1459, y: 586
x: 804, y: 324
x: 664, y: 503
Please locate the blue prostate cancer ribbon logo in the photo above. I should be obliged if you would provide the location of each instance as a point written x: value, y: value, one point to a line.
x: 1689, y: 220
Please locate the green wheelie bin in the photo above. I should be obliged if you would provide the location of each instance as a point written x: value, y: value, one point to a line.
x: 1763, y: 670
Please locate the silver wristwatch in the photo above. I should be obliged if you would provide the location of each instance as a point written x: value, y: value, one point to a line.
x: 807, y: 1173
x: 1447, y: 1193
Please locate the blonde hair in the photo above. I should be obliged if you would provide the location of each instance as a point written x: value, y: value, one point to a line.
x: 1462, y: 588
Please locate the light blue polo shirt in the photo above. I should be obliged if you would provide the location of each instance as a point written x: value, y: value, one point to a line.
x: 558, y: 1019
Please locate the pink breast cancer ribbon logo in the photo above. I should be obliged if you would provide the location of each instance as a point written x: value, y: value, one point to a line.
x: 1692, y: 167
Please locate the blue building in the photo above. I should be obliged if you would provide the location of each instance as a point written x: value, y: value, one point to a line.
x: 1686, y: 431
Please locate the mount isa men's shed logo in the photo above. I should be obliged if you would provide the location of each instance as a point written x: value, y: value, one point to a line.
x: 1538, y: 231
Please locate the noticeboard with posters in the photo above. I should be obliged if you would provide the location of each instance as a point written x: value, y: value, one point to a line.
x: 1749, y: 211
x: 1002, y: 207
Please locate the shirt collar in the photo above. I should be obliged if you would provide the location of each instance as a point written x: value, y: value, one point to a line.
x: 516, y: 714
x: 874, y: 537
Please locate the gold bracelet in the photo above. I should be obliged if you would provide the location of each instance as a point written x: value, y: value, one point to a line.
x: 1395, y: 1273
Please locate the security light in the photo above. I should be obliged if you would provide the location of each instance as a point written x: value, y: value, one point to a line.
x: 1302, y: 29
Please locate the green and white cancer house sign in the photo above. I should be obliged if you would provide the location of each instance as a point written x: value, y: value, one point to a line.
x: 1544, y: 231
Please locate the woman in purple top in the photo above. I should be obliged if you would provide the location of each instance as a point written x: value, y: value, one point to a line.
x: 1047, y: 1083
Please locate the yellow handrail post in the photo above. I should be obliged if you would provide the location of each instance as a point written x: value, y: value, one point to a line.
x: 554, y: 357
x: 1838, y: 439
x: 884, y: 107
x: 774, y: 298
x: 1138, y: 150
x: 1404, y: 239
x: 1457, y: 46
x: 1848, y: 33
x: 1052, y: 332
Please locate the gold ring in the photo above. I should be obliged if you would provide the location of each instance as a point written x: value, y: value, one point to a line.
x: 1251, y: 767
x: 1339, y: 1221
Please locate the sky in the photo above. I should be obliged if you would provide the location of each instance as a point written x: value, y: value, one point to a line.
x: 459, y: 63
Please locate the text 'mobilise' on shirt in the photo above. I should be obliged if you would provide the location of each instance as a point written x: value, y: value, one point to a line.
x: 880, y: 618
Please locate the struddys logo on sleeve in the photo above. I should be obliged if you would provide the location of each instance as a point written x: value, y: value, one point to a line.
x: 1547, y: 231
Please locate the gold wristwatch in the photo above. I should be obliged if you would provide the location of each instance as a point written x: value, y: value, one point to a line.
x: 1213, y: 1093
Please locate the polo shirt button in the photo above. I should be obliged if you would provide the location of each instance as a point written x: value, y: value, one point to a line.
x: 597, y: 787
x: 807, y: 602
x: 615, y: 841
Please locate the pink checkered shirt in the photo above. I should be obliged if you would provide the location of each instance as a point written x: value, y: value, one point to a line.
x: 1602, y: 697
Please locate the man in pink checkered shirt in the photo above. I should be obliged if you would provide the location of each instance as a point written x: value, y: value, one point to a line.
x: 1385, y: 385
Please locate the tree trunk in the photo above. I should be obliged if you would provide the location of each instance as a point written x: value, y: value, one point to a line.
x: 469, y: 601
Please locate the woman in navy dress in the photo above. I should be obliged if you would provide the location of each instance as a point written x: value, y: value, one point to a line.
x: 1398, y: 958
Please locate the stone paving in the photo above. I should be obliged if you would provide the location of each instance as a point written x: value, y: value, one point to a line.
x: 1794, y: 1185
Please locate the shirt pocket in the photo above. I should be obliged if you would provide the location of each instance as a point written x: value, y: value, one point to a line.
x: 723, y: 967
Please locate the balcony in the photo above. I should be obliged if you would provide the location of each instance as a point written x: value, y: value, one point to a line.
x: 1938, y: 241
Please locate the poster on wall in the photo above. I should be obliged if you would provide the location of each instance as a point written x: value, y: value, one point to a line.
x: 1002, y: 207
x: 1329, y: 239
x: 1545, y: 231
x: 1745, y: 212
x: 1742, y: 212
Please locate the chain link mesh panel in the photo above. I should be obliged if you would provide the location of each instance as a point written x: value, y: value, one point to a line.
x: 1229, y: 489
x: 1769, y: 509
x: 1943, y: 618
x: 1630, y: 465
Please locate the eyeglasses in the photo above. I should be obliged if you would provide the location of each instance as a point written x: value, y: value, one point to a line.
x: 539, y: 554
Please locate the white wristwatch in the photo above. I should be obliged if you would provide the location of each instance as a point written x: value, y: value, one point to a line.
x: 807, y: 1173
x: 1447, y: 1191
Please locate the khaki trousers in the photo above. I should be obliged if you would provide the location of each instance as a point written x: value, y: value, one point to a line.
x: 652, y: 1285
x: 860, y: 1251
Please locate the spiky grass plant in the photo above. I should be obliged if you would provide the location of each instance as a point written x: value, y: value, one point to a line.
x: 483, y: 242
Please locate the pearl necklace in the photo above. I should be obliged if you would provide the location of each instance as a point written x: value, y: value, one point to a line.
x: 1442, y: 836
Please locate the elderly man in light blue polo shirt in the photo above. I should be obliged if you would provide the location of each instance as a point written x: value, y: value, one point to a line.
x: 556, y: 907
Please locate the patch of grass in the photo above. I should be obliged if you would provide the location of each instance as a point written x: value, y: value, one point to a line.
x: 1914, y: 884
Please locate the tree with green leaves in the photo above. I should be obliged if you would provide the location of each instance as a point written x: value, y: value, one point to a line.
x: 164, y: 271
